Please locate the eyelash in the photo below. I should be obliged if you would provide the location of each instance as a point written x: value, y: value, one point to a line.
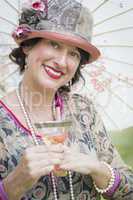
x: 56, y: 45
x: 75, y: 54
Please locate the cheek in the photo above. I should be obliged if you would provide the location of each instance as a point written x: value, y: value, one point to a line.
x: 73, y: 68
x: 36, y: 57
x: 32, y: 61
x: 44, y: 53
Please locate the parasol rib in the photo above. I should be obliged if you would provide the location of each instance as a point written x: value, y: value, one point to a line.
x: 4, y: 56
x: 6, y: 64
x: 14, y: 8
x: 12, y: 73
x: 120, y: 99
x: 108, y: 116
x: 99, y: 6
x: 118, y: 61
x: 109, y: 18
x: 119, y: 79
x: 5, y: 45
x: 5, y: 33
x: 115, y: 45
x: 8, y: 21
x: 112, y: 31
x: 103, y: 110
x: 113, y: 75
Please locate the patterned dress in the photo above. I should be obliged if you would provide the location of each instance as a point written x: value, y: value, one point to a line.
x: 92, y: 136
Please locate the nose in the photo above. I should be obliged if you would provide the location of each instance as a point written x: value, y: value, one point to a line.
x: 61, y: 59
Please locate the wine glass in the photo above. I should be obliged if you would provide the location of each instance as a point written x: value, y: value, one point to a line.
x: 56, y: 132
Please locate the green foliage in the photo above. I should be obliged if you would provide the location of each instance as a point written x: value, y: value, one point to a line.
x: 123, y: 140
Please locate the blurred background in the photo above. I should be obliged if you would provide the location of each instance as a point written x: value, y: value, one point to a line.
x: 124, y: 143
x: 123, y: 140
x: 109, y: 81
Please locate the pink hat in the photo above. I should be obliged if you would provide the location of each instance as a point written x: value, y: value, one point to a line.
x: 62, y: 20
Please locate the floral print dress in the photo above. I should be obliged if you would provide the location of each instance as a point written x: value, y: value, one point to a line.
x: 15, y: 138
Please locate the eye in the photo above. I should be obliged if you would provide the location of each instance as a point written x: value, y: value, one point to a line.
x: 75, y: 54
x: 54, y: 44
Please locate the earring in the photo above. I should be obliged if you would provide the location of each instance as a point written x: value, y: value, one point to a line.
x: 26, y: 66
x: 70, y: 84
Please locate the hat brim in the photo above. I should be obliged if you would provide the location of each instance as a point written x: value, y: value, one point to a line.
x: 70, y: 39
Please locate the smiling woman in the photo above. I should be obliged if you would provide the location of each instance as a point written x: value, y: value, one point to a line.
x: 51, y: 61
x: 75, y: 54
x: 52, y: 49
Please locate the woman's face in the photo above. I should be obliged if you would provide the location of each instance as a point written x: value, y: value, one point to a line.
x: 52, y: 64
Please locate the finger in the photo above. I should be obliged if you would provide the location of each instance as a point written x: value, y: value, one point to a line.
x: 40, y: 151
x: 36, y: 149
x: 43, y: 171
x: 55, y: 155
x: 46, y: 163
x: 43, y: 148
x: 66, y: 148
x: 44, y: 157
x: 67, y: 166
x: 56, y: 148
x: 71, y: 165
x: 68, y: 161
x: 68, y: 157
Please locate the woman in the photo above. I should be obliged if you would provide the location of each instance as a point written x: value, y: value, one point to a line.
x: 54, y: 43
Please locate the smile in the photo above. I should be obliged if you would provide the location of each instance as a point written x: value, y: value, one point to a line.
x: 55, y: 74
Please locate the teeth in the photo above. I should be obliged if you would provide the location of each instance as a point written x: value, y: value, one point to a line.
x: 52, y: 71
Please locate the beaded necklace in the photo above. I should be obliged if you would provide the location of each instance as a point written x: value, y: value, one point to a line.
x: 33, y: 133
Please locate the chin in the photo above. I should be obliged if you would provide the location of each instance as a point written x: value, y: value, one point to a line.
x: 50, y: 86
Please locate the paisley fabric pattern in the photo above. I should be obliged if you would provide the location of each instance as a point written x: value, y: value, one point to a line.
x: 59, y: 13
x: 90, y: 135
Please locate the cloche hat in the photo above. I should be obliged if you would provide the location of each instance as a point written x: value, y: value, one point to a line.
x: 66, y: 21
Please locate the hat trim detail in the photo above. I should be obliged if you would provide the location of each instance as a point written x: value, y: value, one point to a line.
x: 70, y: 39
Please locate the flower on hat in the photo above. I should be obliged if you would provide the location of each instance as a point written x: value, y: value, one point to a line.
x: 33, y: 11
x: 38, y: 6
x: 21, y: 32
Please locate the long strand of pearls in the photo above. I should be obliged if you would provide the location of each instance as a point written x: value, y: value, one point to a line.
x: 27, y: 118
x: 54, y: 186
x: 71, y: 185
x: 29, y: 123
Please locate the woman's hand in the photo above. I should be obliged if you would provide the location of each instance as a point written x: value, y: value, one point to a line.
x: 87, y: 164
x: 82, y: 163
x: 36, y: 161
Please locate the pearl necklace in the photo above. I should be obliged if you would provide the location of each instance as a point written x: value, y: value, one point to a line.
x: 29, y: 123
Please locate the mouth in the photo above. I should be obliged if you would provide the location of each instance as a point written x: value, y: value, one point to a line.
x: 53, y: 73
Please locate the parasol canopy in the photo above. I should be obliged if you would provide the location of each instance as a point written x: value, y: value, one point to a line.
x: 109, y: 80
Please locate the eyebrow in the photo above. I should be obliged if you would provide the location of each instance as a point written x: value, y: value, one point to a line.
x: 73, y: 47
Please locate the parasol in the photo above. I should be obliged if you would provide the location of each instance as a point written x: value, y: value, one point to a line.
x: 109, y: 81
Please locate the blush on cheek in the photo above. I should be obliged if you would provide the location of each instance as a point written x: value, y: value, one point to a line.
x: 74, y: 69
x: 42, y: 56
x: 39, y: 57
